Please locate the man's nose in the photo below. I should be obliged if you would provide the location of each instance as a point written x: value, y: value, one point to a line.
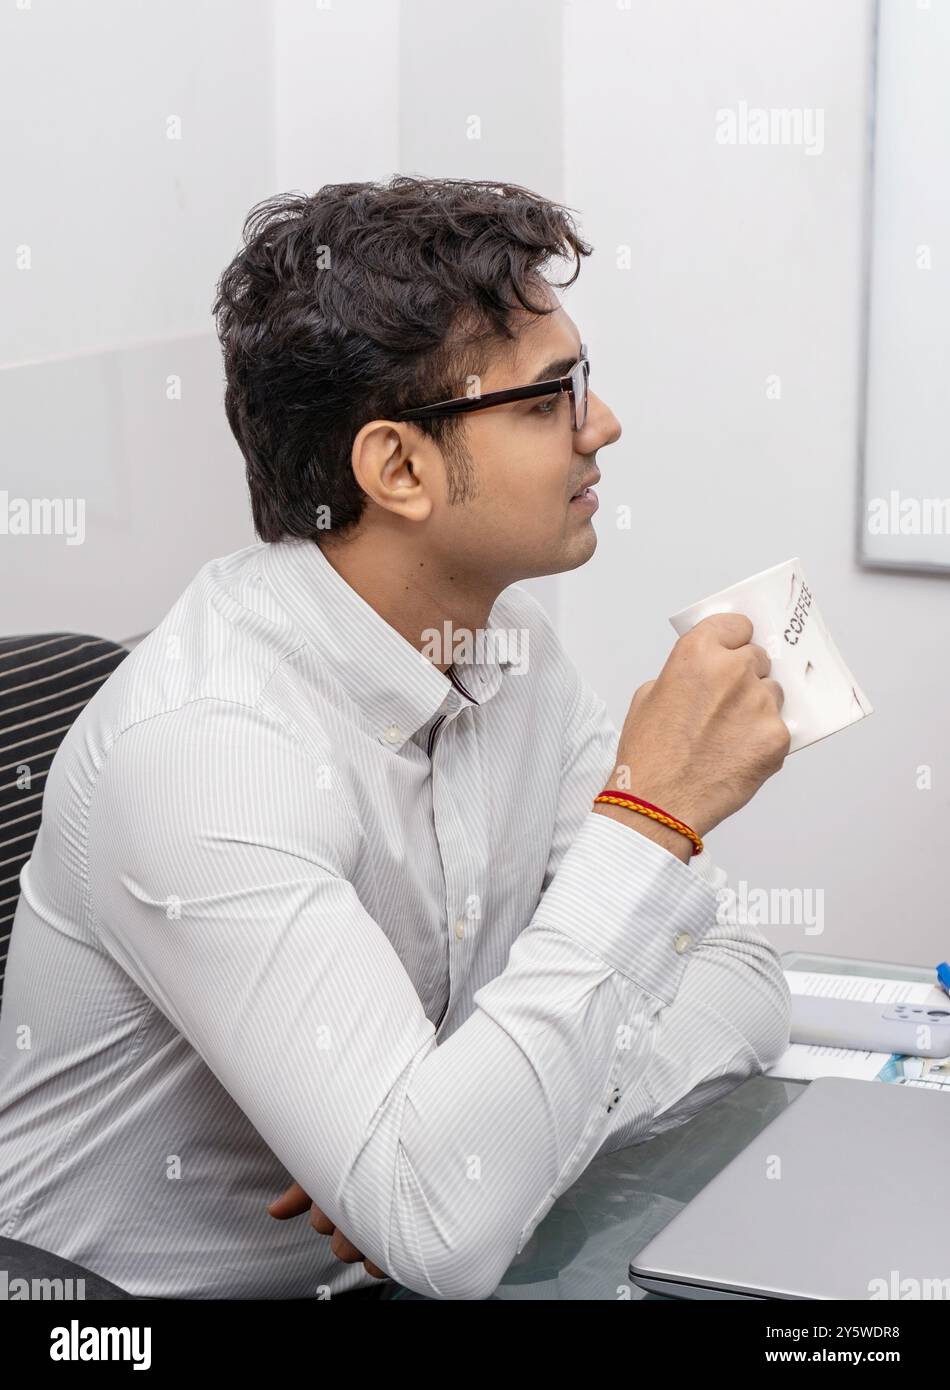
x: 601, y: 422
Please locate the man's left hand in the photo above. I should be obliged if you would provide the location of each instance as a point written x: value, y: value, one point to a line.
x: 294, y: 1202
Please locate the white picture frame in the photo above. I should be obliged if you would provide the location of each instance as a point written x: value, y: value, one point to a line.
x: 903, y: 519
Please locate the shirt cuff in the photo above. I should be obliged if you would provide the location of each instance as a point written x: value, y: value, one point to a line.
x: 630, y: 902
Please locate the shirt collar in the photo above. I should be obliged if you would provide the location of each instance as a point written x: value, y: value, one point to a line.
x: 395, y: 686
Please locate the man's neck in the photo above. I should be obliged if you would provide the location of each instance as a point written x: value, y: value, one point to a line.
x: 412, y: 593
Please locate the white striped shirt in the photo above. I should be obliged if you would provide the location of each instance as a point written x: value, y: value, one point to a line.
x: 301, y: 906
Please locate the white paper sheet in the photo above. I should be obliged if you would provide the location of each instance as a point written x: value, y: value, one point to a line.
x: 866, y: 987
x: 801, y: 1062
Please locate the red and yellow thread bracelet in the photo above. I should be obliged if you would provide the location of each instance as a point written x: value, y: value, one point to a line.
x: 646, y: 808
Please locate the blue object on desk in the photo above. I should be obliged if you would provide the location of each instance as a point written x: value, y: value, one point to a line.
x: 943, y: 975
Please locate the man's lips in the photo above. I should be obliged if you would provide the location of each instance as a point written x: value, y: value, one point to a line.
x: 589, y: 482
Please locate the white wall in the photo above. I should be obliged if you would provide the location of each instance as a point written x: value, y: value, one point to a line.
x: 127, y: 231
x: 336, y: 88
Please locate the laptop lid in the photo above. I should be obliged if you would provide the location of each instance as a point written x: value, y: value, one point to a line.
x: 843, y: 1195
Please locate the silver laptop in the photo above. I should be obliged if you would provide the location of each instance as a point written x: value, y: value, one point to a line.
x: 844, y: 1195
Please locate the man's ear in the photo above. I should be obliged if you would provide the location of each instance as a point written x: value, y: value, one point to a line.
x: 395, y: 469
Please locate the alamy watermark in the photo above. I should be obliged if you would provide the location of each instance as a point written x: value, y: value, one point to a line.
x: 803, y: 126
x: 772, y: 907
x: 895, y: 515
x: 43, y: 516
x: 894, y: 1286
x: 17, y: 1289
x: 76, y: 1343
x: 483, y: 646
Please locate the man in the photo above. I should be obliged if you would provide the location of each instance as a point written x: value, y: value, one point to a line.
x: 321, y: 896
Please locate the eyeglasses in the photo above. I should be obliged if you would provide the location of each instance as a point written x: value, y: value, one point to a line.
x: 575, y: 384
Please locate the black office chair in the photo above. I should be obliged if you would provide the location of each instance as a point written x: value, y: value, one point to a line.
x: 44, y: 683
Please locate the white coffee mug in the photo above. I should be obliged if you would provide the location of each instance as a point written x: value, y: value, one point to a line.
x: 821, y: 694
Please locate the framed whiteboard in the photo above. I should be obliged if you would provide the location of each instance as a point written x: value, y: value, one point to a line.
x: 904, y: 518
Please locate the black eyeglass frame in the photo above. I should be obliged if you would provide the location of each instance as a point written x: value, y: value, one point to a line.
x: 575, y: 384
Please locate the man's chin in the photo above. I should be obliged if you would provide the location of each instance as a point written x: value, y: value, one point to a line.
x: 584, y: 545
x: 575, y: 550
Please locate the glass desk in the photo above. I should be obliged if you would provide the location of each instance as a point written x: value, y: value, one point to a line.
x: 583, y: 1247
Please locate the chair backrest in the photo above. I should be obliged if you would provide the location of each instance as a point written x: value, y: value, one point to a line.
x: 45, y: 681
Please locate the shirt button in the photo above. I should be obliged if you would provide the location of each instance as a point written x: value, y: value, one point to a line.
x: 682, y: 943
x: 393, y: 733
x: 459, y: 929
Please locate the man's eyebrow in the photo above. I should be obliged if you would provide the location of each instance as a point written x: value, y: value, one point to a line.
x: 555, y: 369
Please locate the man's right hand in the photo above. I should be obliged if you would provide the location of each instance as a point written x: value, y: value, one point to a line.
x: 701, y: 739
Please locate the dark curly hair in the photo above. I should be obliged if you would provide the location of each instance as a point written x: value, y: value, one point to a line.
x: 362, y: 300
